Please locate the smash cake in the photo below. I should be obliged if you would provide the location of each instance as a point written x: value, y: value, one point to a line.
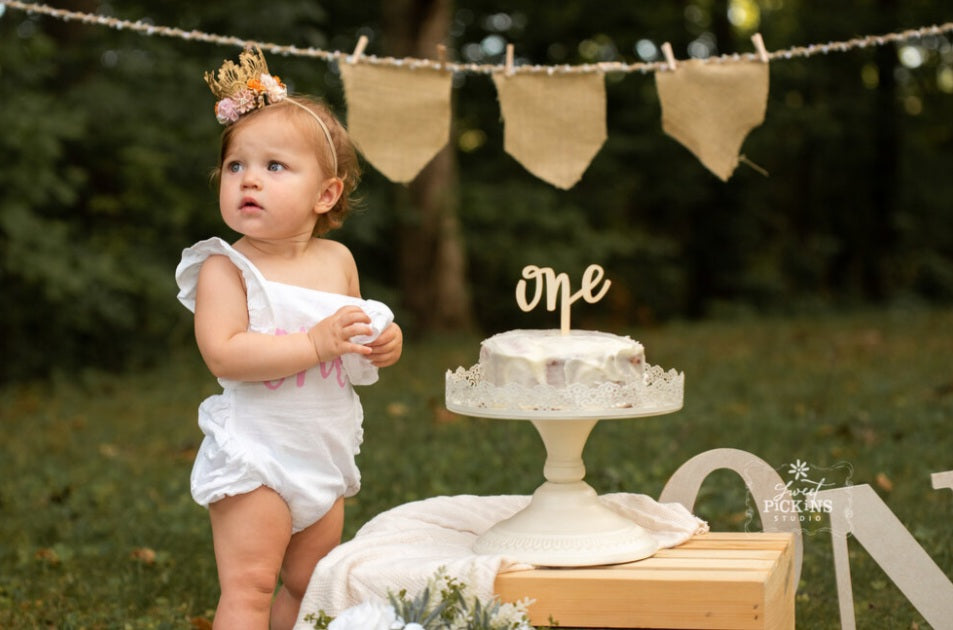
x: 548, y: 357
x: 545, y: 370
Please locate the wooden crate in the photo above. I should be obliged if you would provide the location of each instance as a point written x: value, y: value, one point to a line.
x: 715, y: 580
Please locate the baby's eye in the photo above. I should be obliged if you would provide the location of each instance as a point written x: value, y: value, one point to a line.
x: 233, y: 167
x: 275, y: 166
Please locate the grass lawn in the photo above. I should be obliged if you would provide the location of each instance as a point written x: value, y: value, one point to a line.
x: 97, y: 528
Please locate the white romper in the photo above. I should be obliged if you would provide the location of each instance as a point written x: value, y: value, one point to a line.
x: 297, y: 435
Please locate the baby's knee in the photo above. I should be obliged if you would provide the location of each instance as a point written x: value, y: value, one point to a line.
x: 251, y: 582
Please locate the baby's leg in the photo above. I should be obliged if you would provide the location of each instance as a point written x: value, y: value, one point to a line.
x: 306, y: 548
x: 250, y: 533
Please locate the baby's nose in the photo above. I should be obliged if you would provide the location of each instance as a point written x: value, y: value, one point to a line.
x: 250, y: 179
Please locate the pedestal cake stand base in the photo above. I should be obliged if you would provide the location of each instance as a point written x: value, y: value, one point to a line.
x: 566, y: 525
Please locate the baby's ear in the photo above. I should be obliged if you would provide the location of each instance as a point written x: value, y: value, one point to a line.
x: 331, y: 191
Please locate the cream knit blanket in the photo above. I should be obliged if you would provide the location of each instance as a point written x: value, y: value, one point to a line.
x: 405, y: 546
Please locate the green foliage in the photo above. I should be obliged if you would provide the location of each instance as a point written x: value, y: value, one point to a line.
x: 833, y: 223
x: 108, y: 141
x: 422, y: 609
x: 444, y: 603
x: 319, y: 620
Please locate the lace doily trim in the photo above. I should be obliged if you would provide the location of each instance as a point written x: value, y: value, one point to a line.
x: 659, y: 389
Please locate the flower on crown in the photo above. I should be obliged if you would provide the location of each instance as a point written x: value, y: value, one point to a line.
x: 244, y: 87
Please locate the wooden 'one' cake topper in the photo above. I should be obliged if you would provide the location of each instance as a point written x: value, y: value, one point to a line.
x: 557, y: 290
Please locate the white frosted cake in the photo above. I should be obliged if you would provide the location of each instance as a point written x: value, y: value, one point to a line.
x: 549, y: 357
x: 546, y: 372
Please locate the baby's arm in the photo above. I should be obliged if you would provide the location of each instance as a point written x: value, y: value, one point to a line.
x: 231, y: 351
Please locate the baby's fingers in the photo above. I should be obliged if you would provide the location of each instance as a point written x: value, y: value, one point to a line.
x: 349, y: 315
x: 387, y: 347
x: 350, y: 346
x: 331, y: 337
x: 355, y: 326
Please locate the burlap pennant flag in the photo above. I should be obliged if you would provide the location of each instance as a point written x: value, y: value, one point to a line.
x: 711, y: 107
x: 553, y: 124
x: 398, y: 117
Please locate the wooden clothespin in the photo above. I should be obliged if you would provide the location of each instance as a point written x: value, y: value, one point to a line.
x: 441, y: 55
x: 509, y: 60
x: 758, y: 42
x: 669, y: 56
x: 359, y: 48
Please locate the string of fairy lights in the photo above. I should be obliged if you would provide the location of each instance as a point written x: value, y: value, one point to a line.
x: 147, y: 28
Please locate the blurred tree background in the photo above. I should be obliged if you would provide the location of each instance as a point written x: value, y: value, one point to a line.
x: 108, y: 140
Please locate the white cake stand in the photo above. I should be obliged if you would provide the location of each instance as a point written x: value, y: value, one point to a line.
x: 565, y: 523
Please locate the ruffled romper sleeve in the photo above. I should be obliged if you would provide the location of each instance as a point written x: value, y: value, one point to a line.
x: 260, y: 313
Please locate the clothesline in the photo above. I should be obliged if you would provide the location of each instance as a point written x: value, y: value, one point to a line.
x: 147, y: 28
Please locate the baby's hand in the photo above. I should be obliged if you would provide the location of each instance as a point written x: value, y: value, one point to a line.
x: 331, y: 337
x: 386, y: 349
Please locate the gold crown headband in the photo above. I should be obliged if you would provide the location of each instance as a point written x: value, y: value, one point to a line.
x: 246, y: 86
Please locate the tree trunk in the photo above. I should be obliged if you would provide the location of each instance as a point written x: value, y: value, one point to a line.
x: 432, y: 260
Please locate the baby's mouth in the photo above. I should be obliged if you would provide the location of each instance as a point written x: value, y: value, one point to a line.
x: 250, y: 204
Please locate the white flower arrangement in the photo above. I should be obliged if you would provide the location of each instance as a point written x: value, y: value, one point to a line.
x: 444, y: 604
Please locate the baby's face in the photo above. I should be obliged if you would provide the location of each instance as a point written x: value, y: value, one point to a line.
x: 272, y: 183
